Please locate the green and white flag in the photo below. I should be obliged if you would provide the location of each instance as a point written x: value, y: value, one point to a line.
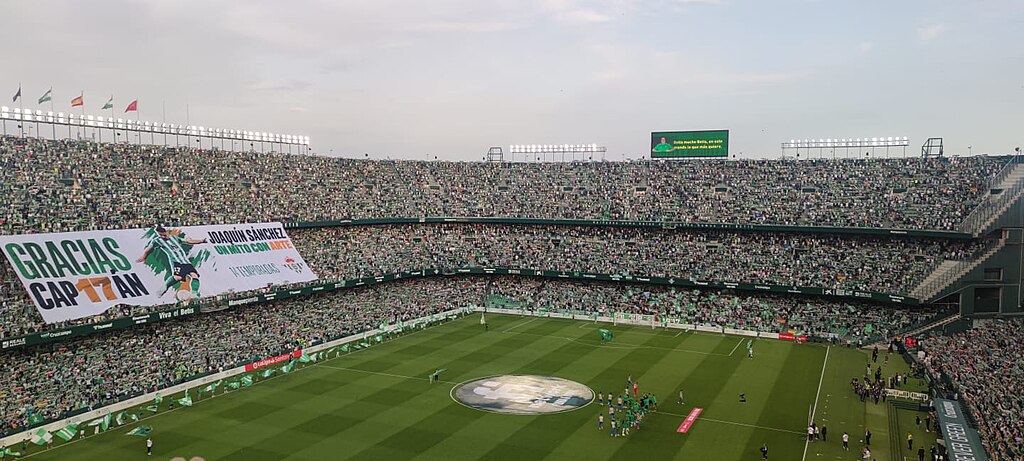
x: 152, y: 408
x: 288, y: 367
x: 185, y: 401
x: 45, y: 97
x: 134, y: 416
x: 41, y: 437
x: 233, y: 385
x: 9, y: 452
x: 159, y: 399
x: 378, y: 338
x: 35, y: 418
x: 267, y: 373
x: 119, y: 419
x: 140, y: 431
x: 103, y: 423
x: 606, y: 335
x: 305, y: 358
x: 69, y: 432
x: 247, y: 380
x: 109, y: 104
x: 345, y: 347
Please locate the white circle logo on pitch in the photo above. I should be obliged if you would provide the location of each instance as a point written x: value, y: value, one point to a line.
x: 523, y: 394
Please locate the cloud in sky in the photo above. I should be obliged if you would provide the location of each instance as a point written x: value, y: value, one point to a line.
x: 454, y: 77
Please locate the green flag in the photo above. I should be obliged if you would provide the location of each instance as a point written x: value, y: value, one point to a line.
x: 134, y: 416
x: 267, y: 373
x: 119, y: 419
x: 233, y: 385
x: 41, y: 437
x: 158, y: 400
x: 140, y: 431
x: 345, y: 347
x: 9, y: 452
x: 305, y: 358
x: 288, y: 367
x: 247, y: 380
x: 109, y: 104
x: 35, y: 418
x: 378, y: 338
x: 606, y: 335
x: 68, y: 432
x: 185, y: 401
x: 45, y: 97
x: 152, y: 408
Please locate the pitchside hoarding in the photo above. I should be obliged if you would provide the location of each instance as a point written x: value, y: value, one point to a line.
x: 80, y: 274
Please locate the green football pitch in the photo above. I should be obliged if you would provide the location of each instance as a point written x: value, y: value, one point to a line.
x: 378, y: 404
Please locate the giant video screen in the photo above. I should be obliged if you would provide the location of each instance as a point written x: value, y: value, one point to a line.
x: 688, y: 144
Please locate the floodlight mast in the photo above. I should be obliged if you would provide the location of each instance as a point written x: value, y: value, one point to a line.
x: 858, y: 144
x: 88, y: 126
x: 556, y: 152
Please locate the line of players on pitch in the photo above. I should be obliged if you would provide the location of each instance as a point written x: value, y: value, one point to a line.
x: 626, y: 412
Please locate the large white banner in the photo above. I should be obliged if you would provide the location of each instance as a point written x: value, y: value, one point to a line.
x: 79, y: 274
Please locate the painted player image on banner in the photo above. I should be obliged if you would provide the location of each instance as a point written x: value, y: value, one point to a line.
x: 79, y: 274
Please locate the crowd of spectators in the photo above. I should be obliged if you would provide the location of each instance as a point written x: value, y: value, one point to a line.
x: 100, y: 369
x: 865, y: 263
x: 986, y: 366
x: 96, y: 370
x: 64, y: 185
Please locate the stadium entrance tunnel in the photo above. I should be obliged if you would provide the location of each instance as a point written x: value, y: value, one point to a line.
x: 523, y: 394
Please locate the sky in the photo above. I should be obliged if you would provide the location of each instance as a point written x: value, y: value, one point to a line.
x: 451, y: 78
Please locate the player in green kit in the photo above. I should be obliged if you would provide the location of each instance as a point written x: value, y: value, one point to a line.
x: 176, y: 258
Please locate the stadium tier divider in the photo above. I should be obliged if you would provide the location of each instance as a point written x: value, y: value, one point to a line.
x: 85, y: 417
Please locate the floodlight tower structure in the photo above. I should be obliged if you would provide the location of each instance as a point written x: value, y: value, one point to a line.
x: 932, y: 148
x: 557, y: 152
x: 495, y: 155
x: 810, y: 146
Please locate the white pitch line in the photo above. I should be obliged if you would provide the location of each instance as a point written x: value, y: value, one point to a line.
x: 509, y: 329
x: 734, y: 423
x: 814, y: 409
x: 384, y: 374
x: 736, y: 347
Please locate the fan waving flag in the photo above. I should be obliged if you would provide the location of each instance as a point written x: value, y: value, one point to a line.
x: 41, y: 437
x: 68, y: 432
x: 79, y: 101
x: 132, y: 107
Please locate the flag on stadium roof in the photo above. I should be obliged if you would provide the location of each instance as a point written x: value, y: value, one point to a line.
x: 78, y: 101
x: 68, y: 432
x: 45, y: 97
x: 17, y: 95
x: 109, y: 104
x: 133, y: 106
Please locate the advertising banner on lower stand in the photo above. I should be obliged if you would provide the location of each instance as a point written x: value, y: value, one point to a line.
x: 273, y: 360
x: 962, y: 441
x: 80, y: 274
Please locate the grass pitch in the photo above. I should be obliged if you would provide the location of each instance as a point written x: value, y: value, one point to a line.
x: 377, y: 403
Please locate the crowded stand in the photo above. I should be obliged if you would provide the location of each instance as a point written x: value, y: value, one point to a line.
x: 50, y: 380
x: 65, y: 185
x: 885, y: 265
x: 986, y: 369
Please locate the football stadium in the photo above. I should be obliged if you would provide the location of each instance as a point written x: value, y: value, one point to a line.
x: 176, y: 291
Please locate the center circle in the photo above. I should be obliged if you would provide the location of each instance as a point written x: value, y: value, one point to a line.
x: 523, y: 394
